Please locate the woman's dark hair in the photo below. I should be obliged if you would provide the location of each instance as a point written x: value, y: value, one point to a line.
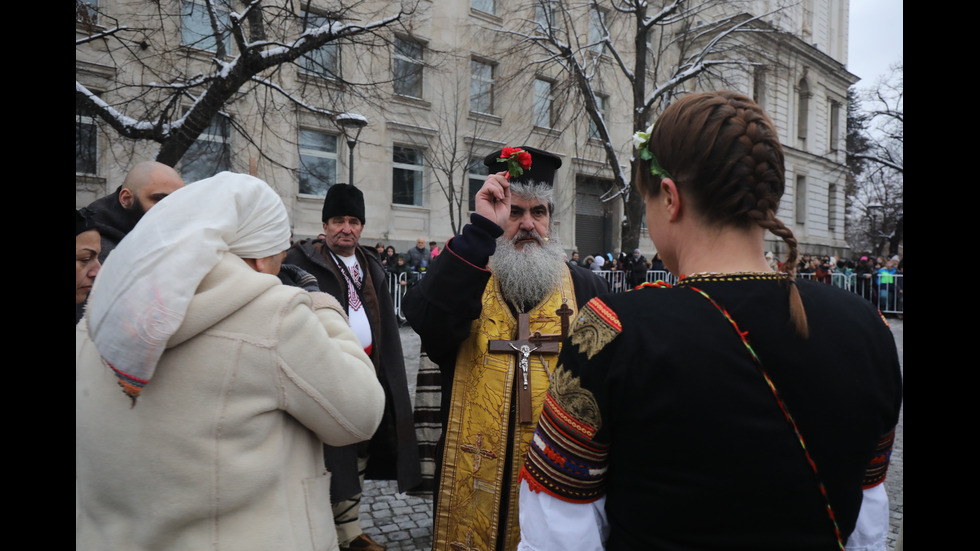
x: 721, y: 150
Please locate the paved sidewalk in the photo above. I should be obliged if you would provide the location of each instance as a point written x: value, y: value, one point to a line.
x: 403, y: 522
x: 893, y: 482
x: 397, y: 521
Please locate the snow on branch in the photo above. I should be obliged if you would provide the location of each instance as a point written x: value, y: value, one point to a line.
x: 100, y: 35
x: 122, y: 123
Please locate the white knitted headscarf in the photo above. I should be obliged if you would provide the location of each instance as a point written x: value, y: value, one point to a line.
x: 143, y: 291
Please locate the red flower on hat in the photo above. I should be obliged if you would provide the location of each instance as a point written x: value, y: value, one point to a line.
x: 524, y: 158
x: 517, y: 160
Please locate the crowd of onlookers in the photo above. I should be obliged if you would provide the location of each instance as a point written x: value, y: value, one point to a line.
x: 634, y: 267
x: 410, y: 263
x: 877, y: 279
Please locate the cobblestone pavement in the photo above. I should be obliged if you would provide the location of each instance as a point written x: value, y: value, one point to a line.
x: 404, y: 522
x: 894, y: 482
x: 397, y: 521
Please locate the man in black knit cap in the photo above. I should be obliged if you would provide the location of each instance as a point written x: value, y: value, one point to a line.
x: 354, y: 275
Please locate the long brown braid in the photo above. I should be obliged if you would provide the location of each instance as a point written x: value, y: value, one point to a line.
x: 721, y: 150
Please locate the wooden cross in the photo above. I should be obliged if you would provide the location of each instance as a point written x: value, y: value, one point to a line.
x: 522, y: 348
x: 564, y: 313
x: 478, y: 451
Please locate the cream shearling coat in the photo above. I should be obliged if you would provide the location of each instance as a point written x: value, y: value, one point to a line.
x: 223, y: 448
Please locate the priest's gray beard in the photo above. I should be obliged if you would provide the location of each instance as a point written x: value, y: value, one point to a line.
x: 527, y: 276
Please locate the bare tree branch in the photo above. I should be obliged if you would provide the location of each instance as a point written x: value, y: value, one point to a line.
x: 267, y: 36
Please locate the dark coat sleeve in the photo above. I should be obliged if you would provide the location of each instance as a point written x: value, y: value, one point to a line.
x: 444, y: 303
x: 393, y: 451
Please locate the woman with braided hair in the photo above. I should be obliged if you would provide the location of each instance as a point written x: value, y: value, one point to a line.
x: 715, y: 414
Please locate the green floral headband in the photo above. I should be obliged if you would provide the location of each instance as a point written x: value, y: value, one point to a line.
x: 641, y: 141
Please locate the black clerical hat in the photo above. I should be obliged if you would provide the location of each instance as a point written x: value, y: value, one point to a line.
x: 543, y: 166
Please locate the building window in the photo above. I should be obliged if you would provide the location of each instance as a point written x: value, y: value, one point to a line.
x: 800, y: 199
x: 481, y: 87
x: 408, y: 67
x: 209, y: 154
x: 834, y: 125
x: 759, y: 86
x: 196, y: 30
x: 543, y: 103
x: 593, y: 127
x: 87, y: 12
x: 803, y: 110
x: 477, y: 173
x: 407, y: 176
x: 544, y: 15
x: 832, y: 208
x: 86, y: 141
x: 597, y: 29
x: 325, y: 60
x: 486, y: 6
x: 317, y: 162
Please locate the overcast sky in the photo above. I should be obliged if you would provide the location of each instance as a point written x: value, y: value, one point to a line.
x: 875, y: 40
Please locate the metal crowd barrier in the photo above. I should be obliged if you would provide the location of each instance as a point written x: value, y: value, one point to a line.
x: 398, y: 285
x: 882, y: 290
x: 619, y: 280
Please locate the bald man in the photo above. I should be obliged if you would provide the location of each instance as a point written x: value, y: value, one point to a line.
x: 115, y: 215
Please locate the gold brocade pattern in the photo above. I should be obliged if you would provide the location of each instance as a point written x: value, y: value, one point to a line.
x: 594, y: 328
x: 478, y: 433
x: 567, y: 391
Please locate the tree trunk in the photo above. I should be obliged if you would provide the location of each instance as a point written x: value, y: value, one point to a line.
x: 634, y: 207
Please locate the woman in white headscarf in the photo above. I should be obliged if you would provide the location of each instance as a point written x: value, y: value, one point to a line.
x: 204, y: 387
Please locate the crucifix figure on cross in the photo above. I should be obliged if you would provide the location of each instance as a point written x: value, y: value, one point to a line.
x: 522, y: 347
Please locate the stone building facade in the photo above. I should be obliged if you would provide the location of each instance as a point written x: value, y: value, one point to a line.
x: 451, y: 83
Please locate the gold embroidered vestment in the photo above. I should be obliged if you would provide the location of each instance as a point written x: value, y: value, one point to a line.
x: 483, y: 425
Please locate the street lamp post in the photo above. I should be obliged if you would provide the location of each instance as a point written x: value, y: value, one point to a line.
x: 351, y: 125
x: 873, y: 210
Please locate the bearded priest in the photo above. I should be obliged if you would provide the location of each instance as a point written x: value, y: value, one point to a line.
x: 491, y: 311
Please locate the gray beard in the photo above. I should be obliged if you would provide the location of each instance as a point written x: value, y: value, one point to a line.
x: 529, y: 275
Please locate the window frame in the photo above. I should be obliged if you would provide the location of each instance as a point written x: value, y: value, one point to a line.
x: 596, y: 26
x: 550, y: 103
x: 86, y: 120
x: 479, y: 5
x: 602, y: 102
x: 312, y: 63
x: 307, y: 149
x: 418, y: 199
x: 404, y: 65
x: 217, y: 132
x: 87, y: 11
x: 834, y: 126
x: 204, y: 41
x: 475, y: 179
x: 544, y: 15
x: 486, y: 86
x: 800, y: 199
x: 803, y: 110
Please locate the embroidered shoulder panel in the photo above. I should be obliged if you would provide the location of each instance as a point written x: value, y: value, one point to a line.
x: 578, y: 402
x: 595, y: 327
x: 564, y: 461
